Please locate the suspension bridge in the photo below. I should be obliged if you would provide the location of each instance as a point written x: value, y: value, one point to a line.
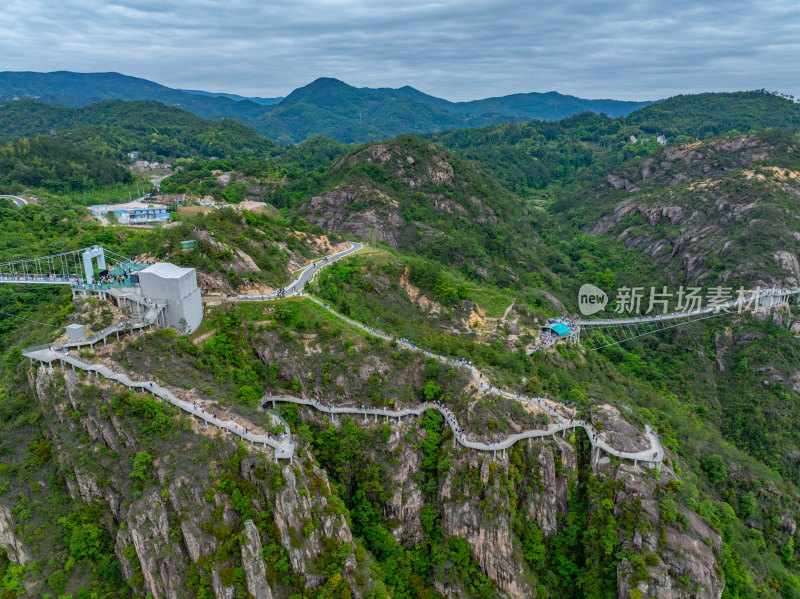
x: 74, y: 268
x: 600, y: 333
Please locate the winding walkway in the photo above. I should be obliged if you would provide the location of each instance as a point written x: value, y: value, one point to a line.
x: 283, y: 445
x: 148, y: 319
x: 654, y: 455
x: 647, y: 456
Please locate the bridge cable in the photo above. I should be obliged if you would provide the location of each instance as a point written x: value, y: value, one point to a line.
x: 29, y: 320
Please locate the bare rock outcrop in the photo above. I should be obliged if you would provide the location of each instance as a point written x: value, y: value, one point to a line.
x: 366, y: 214
x: 293, y: 508
x: 406, y: 502
x: 686, y: 565
x: 162, y: 559
x: 9, y: 542
x: 549, y: 498
x: 253, y: 563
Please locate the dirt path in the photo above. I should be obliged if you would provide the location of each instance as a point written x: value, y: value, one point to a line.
x: 505, y: 314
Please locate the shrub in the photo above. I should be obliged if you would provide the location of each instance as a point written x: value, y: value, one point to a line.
x: 715, y: 469
x: 141, y: 464
x: 669, y: 511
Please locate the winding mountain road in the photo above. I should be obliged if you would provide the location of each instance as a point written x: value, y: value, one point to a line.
x: 305, y: 276
x: 16, y: 199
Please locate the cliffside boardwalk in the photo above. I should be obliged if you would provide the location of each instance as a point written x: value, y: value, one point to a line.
x: 283, y: 445
x: 654, y: 455
x: 654, y: 458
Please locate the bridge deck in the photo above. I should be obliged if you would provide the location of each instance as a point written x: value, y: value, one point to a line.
x: 737, y: 304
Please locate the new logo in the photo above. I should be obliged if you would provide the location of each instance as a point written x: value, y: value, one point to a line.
x: 591, y: 299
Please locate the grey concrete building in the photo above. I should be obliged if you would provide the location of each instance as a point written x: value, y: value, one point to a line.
x: 177, y: 287
x: 75, y: 332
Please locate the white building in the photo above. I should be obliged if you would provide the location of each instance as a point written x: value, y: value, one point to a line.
x: 177, y: 287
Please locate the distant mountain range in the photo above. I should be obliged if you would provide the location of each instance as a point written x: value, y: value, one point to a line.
x: 234, y: 97
x: 326, y: 106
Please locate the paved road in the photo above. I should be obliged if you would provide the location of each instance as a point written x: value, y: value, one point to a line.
x: 16, y: 199
x: 306, y: 275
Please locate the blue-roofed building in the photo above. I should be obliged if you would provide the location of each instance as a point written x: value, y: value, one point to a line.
x: 142, y: 215
x: 556, y: 328
x: 134, y: 212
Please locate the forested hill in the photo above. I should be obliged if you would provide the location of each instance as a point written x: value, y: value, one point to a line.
x: 55, y: 165
x: 707, y: 115
x: 721, y: 211
x: 333, y: 108
x: 467, y: 269
x: 528, y: 158
x: 115, y: 128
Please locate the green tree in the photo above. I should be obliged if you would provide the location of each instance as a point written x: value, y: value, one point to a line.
x: 431, y: 390
x: 141, y: 464
x: 715, y: 469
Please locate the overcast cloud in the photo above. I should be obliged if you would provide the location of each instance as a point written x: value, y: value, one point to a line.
x: 641, y: 49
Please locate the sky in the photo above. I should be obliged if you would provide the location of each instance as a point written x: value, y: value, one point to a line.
x: 631, y: 50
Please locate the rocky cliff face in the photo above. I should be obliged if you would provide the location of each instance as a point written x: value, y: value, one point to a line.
x: 475, y: 501
x: 683, y: 554
x: 484, y: 518
x: 407, y: 193
x: 14, y: 547
x: 357, y: 210
x: 700, y: 209
x: 175, y: 524
x: 305, y: 499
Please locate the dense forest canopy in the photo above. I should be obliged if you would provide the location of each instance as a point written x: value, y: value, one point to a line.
x: 115, y: 128
x: 56, y: 165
